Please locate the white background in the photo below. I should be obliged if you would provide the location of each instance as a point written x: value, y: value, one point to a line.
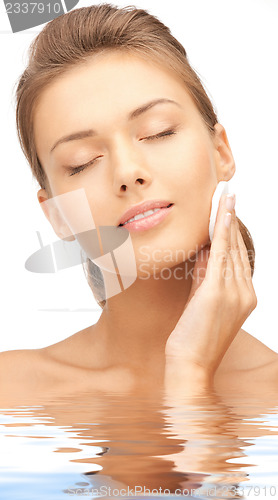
x: 233, y: 46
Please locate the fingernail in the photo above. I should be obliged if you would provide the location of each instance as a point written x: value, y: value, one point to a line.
x: 227, y: 219
x: 230, y: 201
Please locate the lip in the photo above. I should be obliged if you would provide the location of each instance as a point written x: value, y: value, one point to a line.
x: 150, y: 220
x: 141, y: 208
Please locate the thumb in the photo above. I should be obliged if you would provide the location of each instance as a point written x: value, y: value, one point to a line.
x: 199, y: 271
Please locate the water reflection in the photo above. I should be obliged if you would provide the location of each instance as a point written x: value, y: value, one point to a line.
x: 83, y: 444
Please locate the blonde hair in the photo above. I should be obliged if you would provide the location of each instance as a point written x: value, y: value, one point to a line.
x: 71, y: 39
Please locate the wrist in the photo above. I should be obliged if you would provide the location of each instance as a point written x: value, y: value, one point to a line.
x: 186, y: 376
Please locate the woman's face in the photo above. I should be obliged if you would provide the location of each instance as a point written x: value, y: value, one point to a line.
x: 181, y: 168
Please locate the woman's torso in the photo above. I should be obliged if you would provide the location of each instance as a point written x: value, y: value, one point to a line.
x: 79, y: 363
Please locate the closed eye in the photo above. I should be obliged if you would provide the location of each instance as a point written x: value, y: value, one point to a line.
x: 161, y: 135
x: 77, y: 170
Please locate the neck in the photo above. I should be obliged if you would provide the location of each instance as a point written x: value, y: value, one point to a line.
x: 137, y: 322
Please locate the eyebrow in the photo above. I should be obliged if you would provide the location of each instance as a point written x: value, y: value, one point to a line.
x: 134, y: 114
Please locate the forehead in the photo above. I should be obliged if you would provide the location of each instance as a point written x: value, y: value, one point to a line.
x: 121, y: 75
x: 101, y: 92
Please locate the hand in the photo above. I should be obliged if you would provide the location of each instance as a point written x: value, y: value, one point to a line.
x: 221, y: 298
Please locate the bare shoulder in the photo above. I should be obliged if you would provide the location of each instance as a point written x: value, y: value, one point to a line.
x: 40, y: 373
x: 247, y: 353
x: 33, y: 369
x: 22, y: 364
x: 34, y: 364
x: 23, y: 361
x: 83, y: 349
x: 248, y: 366
x: 260, y: 359
x: 10, y: 361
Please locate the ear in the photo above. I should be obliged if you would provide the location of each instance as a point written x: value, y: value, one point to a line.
x: 53, y: 216
x: 224, y: 160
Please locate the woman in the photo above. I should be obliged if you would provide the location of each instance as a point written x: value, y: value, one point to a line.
x: 110, y: 105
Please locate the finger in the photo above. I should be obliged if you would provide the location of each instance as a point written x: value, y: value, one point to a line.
x: 236, y: 253
x: 239, y: 269
x: 247, y: 272
x: 219, y: 246
x: 229, y: 272
x: 199, y: 270
x: 250, y: 294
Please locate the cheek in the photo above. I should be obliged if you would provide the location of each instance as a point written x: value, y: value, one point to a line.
x: 195, y: 185
x: 195, y: 204
x: 185, y: 235
x: 189, y: 162
x: 194, y: 190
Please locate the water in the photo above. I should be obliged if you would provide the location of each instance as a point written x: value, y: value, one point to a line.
x: 108, y: 445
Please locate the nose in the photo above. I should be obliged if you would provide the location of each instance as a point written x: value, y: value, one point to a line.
x: 129, y: 168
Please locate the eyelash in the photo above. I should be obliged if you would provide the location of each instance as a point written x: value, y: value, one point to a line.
x: 161, y: 135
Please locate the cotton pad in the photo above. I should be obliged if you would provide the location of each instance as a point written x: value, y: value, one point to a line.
x: 222, y: 188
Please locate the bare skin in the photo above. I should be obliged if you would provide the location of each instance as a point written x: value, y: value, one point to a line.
x: 70, y: 367
x: 81, y: 362
x: 125, y: 350
x: 167, y: 443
